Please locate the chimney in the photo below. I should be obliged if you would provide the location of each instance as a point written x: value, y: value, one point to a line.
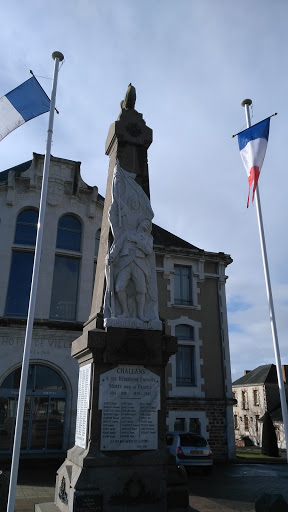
x: 246, y: 371
x: 285, y: 372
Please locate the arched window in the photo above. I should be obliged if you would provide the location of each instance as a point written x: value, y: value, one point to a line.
x: 69, y: 233
x: 66, y: 269
x: 184, y: 332
x: 17, y: 299
x: 185, y: 357
x: 26, y: 228
x: 44, y: 411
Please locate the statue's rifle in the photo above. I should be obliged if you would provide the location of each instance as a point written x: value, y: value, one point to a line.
x: 110, y: 284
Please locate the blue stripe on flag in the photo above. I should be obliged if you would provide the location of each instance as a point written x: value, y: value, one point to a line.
x: 29, y: 99
x: 258, y: 131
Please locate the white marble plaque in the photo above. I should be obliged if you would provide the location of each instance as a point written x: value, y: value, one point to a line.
x: 83, y: 405
x: 129, y: 397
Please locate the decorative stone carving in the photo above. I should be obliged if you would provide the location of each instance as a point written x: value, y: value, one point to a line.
x: 55, y: 191
x: 130, y: 98
x: 131, y: 291
x: 137, y: 490
x: 62, y: 492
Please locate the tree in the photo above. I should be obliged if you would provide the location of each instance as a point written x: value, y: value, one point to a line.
x: 269, y: 440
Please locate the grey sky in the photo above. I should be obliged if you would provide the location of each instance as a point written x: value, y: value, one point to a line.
x: 192, y: 63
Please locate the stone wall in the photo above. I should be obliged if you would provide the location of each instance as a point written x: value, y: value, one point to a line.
x: 215, y: 413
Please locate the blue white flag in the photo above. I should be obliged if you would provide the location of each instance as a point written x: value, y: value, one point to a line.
x: 252, y: 144
x: 28, y: 100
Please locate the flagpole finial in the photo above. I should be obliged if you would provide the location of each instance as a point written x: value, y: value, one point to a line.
x: 246, y: 102
x: 58, y: 55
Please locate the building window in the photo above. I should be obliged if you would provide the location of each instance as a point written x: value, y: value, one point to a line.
x: 236, y: 425
x: 185, y: 357
x: 183, y: 285
x: 22, y: 260
x: 184, y: 332
x: 26, y: 228
x: 257, y: 422
x: 194, y: 425
x: 179, y: 424
x: 66, y: 269
x: 244, y: 400
x: 185, y: 366
x: 246, y: 422
x: 256, y: 397
x: 69, y: 234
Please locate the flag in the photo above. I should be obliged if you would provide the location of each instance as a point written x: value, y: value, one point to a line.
x: 252, y: 144
x: 28, y: 100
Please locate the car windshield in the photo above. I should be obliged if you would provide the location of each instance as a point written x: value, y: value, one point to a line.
x: 190, y: 440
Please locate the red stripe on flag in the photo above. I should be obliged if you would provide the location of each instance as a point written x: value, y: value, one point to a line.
x: 253, y: 176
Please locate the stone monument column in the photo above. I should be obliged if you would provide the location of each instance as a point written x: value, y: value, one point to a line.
x: 127, y: 144
x: 120, y: 461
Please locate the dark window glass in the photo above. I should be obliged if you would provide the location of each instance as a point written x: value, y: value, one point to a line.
x: 246, y: 422
x: 17, y: 301
x: 194, y: 425
x: 179, y: 424
x: 192, y: 440
x: 64, y: 288
x: 44, y: 414
x: 26, y: 228
x: 46, y: 378
x: 7, y: 407
x: 184, y: 332
x: 69, y: 233
x: 39, y: 377
x: 55, y: 424
x: 185, y: 366
x: 182, y: 285
x: 13, y: 380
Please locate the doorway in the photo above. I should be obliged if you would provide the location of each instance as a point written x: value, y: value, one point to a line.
x: 44, y: 411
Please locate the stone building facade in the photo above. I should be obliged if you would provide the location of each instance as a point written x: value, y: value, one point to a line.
x: 256, y: 392
x: 192, y: 306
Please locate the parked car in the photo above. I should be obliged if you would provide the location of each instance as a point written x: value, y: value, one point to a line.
x: 190, y: 449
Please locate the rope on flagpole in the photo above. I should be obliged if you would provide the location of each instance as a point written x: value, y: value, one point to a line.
x: 47, y: 78
x: 243, y: 105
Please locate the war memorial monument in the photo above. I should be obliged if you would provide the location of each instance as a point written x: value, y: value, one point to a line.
x: 120, y: 461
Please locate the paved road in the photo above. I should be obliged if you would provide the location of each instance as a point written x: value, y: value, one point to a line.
x: 230, y: 488
x: 236, y: 487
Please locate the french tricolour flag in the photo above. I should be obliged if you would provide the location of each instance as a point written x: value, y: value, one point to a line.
x: 22, y: 104
x: 252, y: 144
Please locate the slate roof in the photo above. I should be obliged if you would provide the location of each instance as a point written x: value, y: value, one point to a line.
x: 18, y: 169
x: 261, y: 375
x: 167, y: 239
x: 276, y: 415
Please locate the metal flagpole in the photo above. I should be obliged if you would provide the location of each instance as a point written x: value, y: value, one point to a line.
x: 246, y: 103
x: 57, y: 56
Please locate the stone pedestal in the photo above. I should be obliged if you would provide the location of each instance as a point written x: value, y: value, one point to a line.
x: 120, y: 461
